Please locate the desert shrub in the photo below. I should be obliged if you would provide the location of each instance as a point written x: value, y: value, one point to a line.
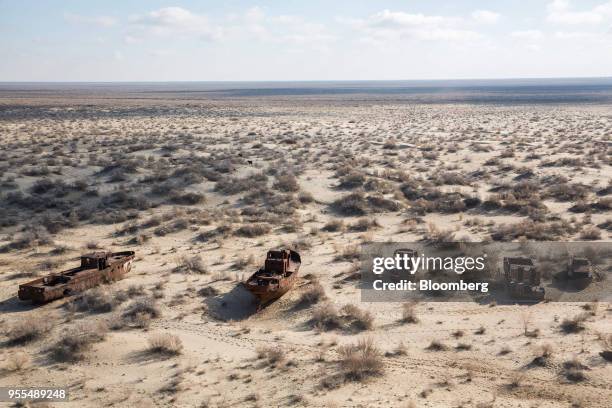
x: 575, y: 324
x: 271, y: 355
x: 253, y: 230
x: 606, y: 343
x: 353, y: 204
x: 98, y: 300
x: 208, y: 291
x: 286, y: 182
x: 166, y: 344
x: 189, y: 198
x: 122, y: 199
x: 242, y: 261
x: 438, y: 236
x: 140, y: 312
x: 538, y: 231
x: 333, y: 226
x: 590, y: 234
x: 364, y: 224
x: 543, y: 356
x: 75, y: 342
x: 361, y: 360
x: 193, y: 264
x: 17, y: 361
x: 409, y: 312
x: 450, y: 178
x: 28, y: 330
x: 356, y: 319
x: 573, y: 370
x: 45, y: 185
x: 31, y: 236
x: 312, y: 295
x: 390, y: 144
x: 603, y: 204
x: 134, y: 291
x: 230, y: 186
x: 352, y: 180
x: 305, y: 197
x: 348, y: 253
x: 437, y: 345
x: 379, y: 203
x: 326, y: 317
x: 92, y: 245
x: 568, y: 192
x: 516, y: 379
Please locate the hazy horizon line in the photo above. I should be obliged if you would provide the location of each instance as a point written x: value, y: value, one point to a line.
x: 313, y: 80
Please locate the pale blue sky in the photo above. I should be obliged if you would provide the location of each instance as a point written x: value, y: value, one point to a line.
x: 303, y: 40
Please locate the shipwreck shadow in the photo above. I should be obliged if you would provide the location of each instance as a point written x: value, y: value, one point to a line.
x: 14, y: 305
x: 237, y: 304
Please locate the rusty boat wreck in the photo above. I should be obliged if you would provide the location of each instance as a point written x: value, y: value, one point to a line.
x: 96, y: 268
x: 523, y: 279
x: 276, y: 277
x: 579, y: 272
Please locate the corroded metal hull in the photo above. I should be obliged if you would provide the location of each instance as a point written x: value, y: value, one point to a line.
x: 277, y: 276
x: 95, y: 269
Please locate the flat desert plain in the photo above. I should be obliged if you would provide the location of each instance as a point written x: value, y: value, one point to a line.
x: 200, y: 188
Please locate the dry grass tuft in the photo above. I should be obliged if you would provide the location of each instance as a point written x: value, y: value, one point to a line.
x: 17, y: 361
x: 312, y: 295
x: 606, y: 343
x: 75, y: 342
x: 26, y: 331
x: 140, y: 312
x: 573, y: 370
x: 437, y: 345
x: 361, y: 360
x: 193, y: 264
x: 166, y: 344
x: 271, y: 355
x: 99, y: 300
x: 575, y: 324
x: 350, y: 318
x: 409, y: 312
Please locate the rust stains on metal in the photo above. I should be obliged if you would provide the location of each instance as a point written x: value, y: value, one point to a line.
x: 276, y: 277
x: 523, y: 279
x: 579, y: 272
x: 95, y: 268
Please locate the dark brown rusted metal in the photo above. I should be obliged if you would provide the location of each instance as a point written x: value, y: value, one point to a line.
x: 579, y: 272
x: 277, y: 276
x: 96, y: 268
x: 522, y: 279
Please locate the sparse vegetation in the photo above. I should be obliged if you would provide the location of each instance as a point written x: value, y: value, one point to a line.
x: 28, y: 330
x: 166, y: 344
x: 193, y: 264
x: 361, y: 360
x: 271, y: 355
x: 575, y: 324
x: 409, y: 312
x: 74, y: 343
x: 350, y: 318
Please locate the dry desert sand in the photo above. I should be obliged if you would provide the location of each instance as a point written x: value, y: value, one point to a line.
x: 202, y: 188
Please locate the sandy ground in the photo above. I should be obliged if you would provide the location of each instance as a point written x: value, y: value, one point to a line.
x: 487, y: 358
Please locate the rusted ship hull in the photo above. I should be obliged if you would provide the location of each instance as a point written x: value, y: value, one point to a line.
x: 276, y: 278
x: 266, y: 295
x: 526, y: 293
x: 95, y: 269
